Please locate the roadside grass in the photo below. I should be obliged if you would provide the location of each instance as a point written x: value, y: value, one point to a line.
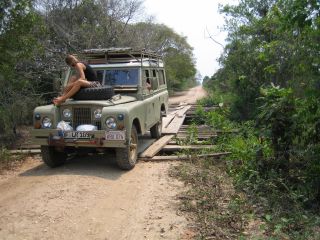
x: 239, y: 196
x: 10, y: 161
x: 218, y: 211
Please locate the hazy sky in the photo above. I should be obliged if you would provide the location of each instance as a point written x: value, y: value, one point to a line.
x: 191, y: 19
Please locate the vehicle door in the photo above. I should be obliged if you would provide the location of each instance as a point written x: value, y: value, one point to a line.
x: 148, y: 98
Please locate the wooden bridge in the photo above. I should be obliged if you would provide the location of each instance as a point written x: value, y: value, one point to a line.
x: 179, y: 140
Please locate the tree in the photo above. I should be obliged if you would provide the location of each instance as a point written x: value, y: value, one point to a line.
x: 177, y: 53
x: 268, y: 42
x: 17, y: 45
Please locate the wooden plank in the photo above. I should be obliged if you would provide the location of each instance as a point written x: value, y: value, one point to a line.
x: 183, y: 157
x: 174, y: 126
x: 198, y: 134
x: 183, y: 137
x: 197, y: 131
x: 174, y: 142
x: 183, y: 111
x: 29, y: 146
x: 156, y: 146
x: 25, y: 151
x: 175, y: 148
x: 144, y: 143
x: 167, y: 120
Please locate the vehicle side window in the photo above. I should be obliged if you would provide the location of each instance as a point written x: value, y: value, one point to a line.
x: 146, y: 74
x: 161, y: 78
x: 147, y: 80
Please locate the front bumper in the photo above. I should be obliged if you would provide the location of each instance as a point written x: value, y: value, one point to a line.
x: 53, y: 137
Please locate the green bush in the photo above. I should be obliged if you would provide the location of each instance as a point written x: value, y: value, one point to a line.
x: 275, y: 160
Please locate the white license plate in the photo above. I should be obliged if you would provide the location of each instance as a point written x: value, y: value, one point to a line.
x: 77, y: 135
x: 116, y: 135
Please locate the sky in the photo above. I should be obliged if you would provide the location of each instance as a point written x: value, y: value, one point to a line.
x: 192, y: 19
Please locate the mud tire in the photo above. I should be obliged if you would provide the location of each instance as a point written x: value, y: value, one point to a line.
x: 52, y: 157
x: 96, y: 93
x: 127, y: 157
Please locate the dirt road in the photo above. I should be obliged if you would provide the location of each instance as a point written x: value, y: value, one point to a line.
x: 90, y: 198
x: 190, y: 96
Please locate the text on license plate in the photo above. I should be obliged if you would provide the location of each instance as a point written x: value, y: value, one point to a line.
x: 116, y: 135
x: 77, y: 135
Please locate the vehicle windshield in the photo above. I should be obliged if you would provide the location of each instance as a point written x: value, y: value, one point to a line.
x: 116, y: 77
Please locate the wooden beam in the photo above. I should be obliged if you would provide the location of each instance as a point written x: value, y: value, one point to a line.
x: 175, y: 148
x: 156, y: 146
x: 25, y: 151
x: 183, y: 157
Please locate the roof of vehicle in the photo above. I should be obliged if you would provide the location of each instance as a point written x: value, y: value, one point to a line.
x: 121, y: 56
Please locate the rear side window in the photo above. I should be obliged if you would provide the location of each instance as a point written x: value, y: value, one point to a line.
x: 161, y: 78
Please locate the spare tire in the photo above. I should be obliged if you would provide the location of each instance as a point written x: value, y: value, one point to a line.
x: 95, y: 93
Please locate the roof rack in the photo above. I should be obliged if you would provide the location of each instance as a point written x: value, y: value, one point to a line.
x: 120, y: 55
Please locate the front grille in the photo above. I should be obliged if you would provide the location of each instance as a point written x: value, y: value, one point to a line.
x: 81, y: 116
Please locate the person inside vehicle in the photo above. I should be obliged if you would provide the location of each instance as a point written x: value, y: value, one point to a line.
x: 148, y: 84
x: 85, y: 78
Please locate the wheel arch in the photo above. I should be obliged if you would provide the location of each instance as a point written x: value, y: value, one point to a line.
x: 163, y: 109
x: 136, y: 123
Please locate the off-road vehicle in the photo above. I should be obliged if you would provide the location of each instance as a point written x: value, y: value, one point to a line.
x: 132, y: 100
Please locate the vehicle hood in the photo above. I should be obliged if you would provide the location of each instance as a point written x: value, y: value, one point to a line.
x: 104, y: 103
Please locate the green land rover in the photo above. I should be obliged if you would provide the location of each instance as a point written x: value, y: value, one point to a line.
x: 132, y: 100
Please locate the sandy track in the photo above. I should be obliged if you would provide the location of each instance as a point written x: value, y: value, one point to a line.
x: 90, y: 198
x: 190, y: 96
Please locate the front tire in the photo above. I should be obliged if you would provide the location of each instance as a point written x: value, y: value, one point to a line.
x: 51, y: 157
x: 127, y: 157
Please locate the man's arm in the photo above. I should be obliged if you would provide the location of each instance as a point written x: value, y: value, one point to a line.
x: 80, y: 71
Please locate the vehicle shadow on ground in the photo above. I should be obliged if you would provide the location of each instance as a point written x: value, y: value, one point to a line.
x: 98, y: 165
x: 103, y: 166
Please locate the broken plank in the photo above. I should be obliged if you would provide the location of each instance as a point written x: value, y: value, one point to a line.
x: 183, y: 157
x: 156, y: 146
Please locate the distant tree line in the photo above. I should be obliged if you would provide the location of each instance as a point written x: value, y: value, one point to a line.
x: 36, y: 35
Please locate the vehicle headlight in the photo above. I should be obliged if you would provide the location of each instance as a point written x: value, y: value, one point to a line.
x: 97, y: 113
x: 67, y: 113
x: 111, y: 123
x: 46, y: 122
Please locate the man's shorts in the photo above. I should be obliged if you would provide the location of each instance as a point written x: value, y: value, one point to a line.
x: 95, y: 84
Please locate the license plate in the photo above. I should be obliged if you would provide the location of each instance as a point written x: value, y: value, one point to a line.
x: 116, y: 135
x: 77, y: 135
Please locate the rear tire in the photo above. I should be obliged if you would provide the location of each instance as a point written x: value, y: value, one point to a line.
x: 52, y: 157
x: 156, y: 130
x: 127, y: 157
